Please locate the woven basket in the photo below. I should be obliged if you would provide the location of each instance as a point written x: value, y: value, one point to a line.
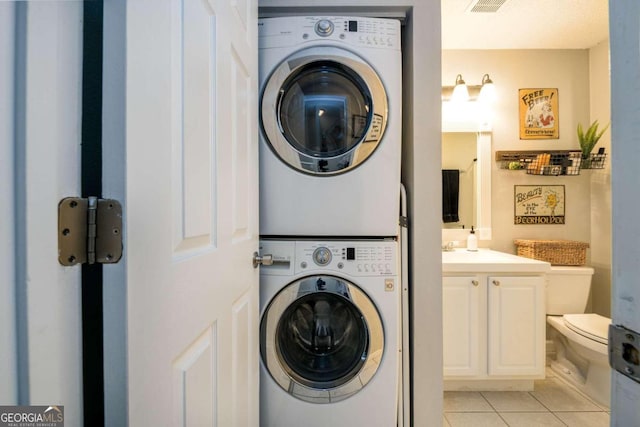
x: 556, y: 252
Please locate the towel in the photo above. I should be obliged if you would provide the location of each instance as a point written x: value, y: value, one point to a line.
x: 450, y: 190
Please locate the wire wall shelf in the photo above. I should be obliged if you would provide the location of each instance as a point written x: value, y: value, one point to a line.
x: 594, y: 161
x: 549, y: 163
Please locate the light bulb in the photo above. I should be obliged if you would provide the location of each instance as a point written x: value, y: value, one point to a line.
x: 460, y: 91
x: 488, y: 90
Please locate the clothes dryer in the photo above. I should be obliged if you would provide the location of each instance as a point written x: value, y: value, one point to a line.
x: 330, y: 116
x: 329, y: 333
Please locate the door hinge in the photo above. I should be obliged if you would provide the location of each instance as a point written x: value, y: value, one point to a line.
x: 89, y: 231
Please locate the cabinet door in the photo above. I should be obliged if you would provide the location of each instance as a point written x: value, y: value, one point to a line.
x: 463, y: 313
x: 516, y: 326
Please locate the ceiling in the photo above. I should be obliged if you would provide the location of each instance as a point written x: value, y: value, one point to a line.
x: 525, y: 24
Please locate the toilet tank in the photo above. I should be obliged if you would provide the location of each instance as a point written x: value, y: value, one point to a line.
x: 568, y: 289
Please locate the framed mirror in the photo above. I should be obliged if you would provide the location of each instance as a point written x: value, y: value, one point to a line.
x: 466, y: 148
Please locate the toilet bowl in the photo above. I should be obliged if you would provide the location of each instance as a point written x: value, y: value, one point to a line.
x: 582, y: 355
x: 580, y: 340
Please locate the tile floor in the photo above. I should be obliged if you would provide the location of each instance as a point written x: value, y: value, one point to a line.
x: 553, y: 402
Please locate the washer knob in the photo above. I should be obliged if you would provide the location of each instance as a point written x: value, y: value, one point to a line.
x: 322, y: 256
x: 324, y: 27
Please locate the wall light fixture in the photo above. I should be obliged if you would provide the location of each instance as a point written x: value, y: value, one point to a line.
x: 488, y: 90
x: 461, y: 92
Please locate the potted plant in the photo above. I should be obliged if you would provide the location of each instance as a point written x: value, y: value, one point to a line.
x: 588, y: 140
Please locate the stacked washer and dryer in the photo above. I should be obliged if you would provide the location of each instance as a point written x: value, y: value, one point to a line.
x: 330, y: 147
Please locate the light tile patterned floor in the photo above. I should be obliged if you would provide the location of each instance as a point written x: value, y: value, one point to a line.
x: 552, y: 403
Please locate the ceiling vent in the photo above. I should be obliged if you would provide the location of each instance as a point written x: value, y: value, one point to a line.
x: 485, y: 6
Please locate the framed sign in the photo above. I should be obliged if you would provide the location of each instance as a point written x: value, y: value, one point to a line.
x: 539, y: 114
x: 538, y: 204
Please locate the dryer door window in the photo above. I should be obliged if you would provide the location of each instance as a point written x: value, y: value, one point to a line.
x: 322, y: 339
x: 323, y: 114
x: 324, y: 109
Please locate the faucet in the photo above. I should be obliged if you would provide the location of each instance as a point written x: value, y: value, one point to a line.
x: 448, y: 247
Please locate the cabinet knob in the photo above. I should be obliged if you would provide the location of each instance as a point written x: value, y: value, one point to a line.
x: 496, y: 282
x: 474, y: 282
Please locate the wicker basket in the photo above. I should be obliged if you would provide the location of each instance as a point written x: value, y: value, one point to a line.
x: 556, y: 252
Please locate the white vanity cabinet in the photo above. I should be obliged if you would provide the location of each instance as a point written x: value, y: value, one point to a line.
x: 464, y: 311
x: 516, y: 325
x: 493, y: 321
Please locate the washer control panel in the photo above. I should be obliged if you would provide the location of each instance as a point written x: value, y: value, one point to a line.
x: 356, y: 31
x: 352, y: 257
x: 358, y: 258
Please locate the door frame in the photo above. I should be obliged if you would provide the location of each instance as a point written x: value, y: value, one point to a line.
x: 624, y: 48
x: 116, y: 396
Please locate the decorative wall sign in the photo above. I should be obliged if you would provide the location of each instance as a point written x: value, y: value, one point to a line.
x: 538, y: 204
x: 539, y: 114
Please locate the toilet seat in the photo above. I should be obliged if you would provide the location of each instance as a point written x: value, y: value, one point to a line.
x: 589, y: 325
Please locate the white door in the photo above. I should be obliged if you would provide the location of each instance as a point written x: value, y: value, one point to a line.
x: 464, y: 325
x: 516, y: 326
x: 40, y: 324
x: 191, y: 212
x: 625, y: 130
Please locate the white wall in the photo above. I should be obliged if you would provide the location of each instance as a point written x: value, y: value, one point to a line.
x: 421, y: 174
x: 600, y: 109
x: 47, y: 141
x: 582, y: 78
x: 510, y: 70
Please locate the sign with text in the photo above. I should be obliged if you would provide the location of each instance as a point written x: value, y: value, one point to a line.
x: 539, y: 114
x: 538, y: 204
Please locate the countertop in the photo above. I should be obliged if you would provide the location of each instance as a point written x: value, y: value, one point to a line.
x: 489, y: 261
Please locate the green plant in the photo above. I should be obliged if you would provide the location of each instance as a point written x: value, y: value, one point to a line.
x: 590, y: 138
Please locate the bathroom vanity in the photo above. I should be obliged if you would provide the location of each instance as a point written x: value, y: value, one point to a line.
x: 493, y: 320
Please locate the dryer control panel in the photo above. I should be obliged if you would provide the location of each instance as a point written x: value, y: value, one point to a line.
x: 356, y: 31
x: 353, y: 257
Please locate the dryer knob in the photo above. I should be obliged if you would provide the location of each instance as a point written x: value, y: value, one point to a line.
x: 324, y: 27
x: 322, y: 256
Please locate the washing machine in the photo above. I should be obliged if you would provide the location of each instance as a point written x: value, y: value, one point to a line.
x: 330, y: 120
x: 329, y: 333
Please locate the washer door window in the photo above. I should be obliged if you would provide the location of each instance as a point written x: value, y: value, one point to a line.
x: 321, y: 339
x: 324, y: 111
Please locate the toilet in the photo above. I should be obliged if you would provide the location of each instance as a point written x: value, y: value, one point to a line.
x: 580, y: 340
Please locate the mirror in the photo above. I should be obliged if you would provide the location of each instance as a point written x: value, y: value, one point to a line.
x: 459, y: 161
x: 466, y: 147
